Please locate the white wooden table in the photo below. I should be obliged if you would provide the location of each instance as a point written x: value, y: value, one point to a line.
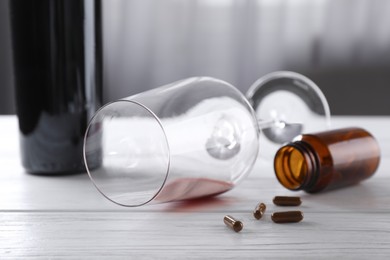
x: 65, y: 217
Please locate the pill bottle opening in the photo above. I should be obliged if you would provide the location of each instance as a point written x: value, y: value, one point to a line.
x: 291, y: 167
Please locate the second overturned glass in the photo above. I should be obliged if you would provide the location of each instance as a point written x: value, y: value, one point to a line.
x: 192, y: 138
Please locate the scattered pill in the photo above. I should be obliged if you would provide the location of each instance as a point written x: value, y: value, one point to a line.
x: 287, y: 201
x: 287, y: 216
x: 232, y: 223
x: 259, y: 211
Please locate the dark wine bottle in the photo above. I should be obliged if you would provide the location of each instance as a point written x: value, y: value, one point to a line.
x: 57, y: 51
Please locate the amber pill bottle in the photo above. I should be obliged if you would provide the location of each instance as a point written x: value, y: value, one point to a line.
x: 327, y: 160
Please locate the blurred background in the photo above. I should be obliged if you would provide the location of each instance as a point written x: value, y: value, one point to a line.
x: 343, y: 46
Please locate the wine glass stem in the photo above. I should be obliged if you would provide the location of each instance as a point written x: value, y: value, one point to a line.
x: 264, y: 124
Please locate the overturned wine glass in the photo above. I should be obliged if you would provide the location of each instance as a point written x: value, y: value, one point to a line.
x: 193, y: 138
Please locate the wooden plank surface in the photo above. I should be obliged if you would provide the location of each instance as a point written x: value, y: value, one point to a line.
x: 191, y: 235
x: 65, y: 217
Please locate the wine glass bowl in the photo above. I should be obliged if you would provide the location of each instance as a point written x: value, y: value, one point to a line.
x: 193, y: 138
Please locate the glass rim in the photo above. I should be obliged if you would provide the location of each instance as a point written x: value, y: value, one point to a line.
x: 96, y: 114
